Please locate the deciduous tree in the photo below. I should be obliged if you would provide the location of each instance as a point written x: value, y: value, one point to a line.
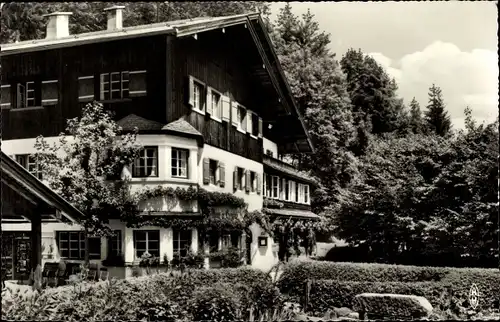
x: 79, y: 167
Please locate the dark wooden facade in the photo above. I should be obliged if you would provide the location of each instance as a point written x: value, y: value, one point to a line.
x: 226, y: 61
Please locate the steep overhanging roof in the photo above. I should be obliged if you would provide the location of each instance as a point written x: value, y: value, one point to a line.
x: 18, y: 181
x: 298, y: 142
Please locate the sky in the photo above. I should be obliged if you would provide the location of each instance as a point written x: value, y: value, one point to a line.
x: 450, y: 44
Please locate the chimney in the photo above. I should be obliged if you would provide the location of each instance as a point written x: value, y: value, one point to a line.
x: 58, y: 25
x: 115, y: 17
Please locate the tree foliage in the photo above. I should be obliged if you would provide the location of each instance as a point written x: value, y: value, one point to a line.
x: 436, y: 117
x: 426, y: 195
x: 373, y: 93
x: 24, y: 20
x: 79, y: 166
x: 318, y: 87
x: 416, y: 121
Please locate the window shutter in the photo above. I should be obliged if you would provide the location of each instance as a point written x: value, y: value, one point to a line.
x: 222, y: 174
x: 235, y: 178
x: 248, y: 184
x: 234, y: 113
x: 226, y: 106
x: 260, y: 127
x: 209, y: 100
x: 5, y: 99
x: 249, y: 121
x: 259, y: 184
x: 190, y: 91
x: 283, y: 183
x: 86, y: 88
x: 206, y: 171
x: 49, y: 92
x: 137, y: 83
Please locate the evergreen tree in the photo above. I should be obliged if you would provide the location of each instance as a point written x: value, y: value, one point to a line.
x: 377, y: 108
x: 416, y: 120
x: 436, y: 117
x: 319, y: 88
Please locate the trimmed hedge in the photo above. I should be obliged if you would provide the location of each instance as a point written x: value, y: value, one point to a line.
x: 336, y: 284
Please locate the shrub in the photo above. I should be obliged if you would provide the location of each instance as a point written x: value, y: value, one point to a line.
x: 392, y: 305
x: 152, y: 297
x: 215, y: 303
x: 229, y: 258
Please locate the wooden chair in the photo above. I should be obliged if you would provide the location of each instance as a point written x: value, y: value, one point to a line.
x: 50, y: 272
x: 93, y: 272
x: 103, y: 274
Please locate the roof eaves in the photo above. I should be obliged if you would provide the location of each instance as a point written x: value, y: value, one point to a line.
x: 47, y: 194
x: 287, y: 86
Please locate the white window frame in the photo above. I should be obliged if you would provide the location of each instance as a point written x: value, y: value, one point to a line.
x: 80, y: 238
x: 275, y: 187
x: 307, y: 193
x: 216, y: 173
x: 147, y: 240
x: 30, y: 163
x: 178, y: 240
x: 178, y: 160
x: 241, y: 178
x: 239, y: 121
x: 253, y: 182
x: 123, y: 86
x: 145, y: 157
x: 198, y: 97
x: 286, y: 190
x: 215, y: 107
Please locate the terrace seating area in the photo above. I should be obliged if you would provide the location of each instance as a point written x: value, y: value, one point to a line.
x: 57, y: 274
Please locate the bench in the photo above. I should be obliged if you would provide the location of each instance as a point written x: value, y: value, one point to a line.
x: 391, y: 306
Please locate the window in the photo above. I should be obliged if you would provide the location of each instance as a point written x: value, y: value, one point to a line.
x: 27, y: 95
x: 86, y: 88
x: 5, y: 98
x: 147, y: 241
x: 286, y: 189
x: 213, y: 171
x: 182, y: 242
x: 216, y: 103
x: 114, y: 85
x: 71, y: 245
x: 240, y: 176
x: 115, y: 243
x: 146, y: 165
x: 254, y: 129
x: 253, y: 181
x: 30, y: 163
x: 306, y: 193
x: 297, y: 192
x: 179, y: 163
x: 275, y: 187
x: 242, y: 113
x: 268, y: 185
x: 197, y: 96
x: 269, y: 153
